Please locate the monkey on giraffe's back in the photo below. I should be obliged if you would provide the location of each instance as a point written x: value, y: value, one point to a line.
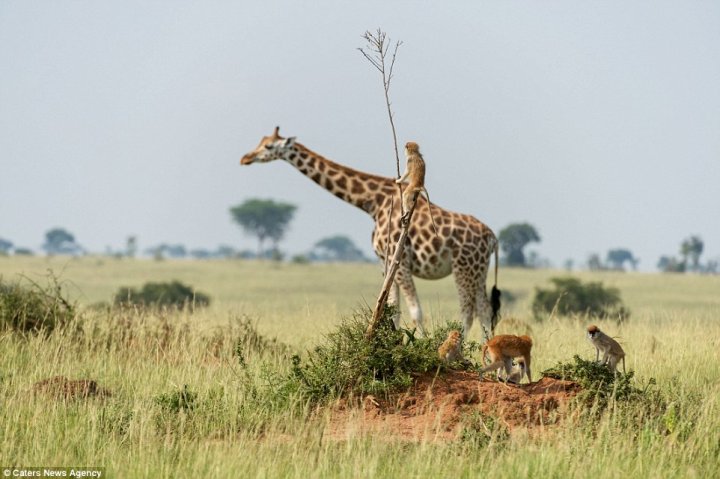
x: 415, y: 174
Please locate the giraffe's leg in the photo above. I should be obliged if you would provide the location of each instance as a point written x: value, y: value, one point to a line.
x: 484, y: 310
x: 465, y: 283
x: 403, y: 280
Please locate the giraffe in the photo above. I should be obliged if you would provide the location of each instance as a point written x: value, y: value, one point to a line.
x: 463, y: 245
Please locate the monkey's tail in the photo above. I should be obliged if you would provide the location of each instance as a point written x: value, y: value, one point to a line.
x: 432, y: 220
x: 495, y: 293
x: 624, y: 365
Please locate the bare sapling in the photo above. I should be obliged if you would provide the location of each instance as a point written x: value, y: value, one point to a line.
x: 376, y: 52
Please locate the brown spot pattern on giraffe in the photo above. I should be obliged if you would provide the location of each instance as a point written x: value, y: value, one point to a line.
x: 357, y: 187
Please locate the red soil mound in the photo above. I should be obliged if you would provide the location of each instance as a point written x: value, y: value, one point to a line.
x: 433, y: 408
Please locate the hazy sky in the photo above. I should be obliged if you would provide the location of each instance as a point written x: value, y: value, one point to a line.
x: 597, y: 122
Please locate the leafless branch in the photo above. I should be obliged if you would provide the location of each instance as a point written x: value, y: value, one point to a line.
x: 390, y: 275
x: 376, y: 52
x: 378, y: 45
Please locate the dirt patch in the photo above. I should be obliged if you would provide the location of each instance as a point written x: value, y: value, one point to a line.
x: 434, y: 407
x: 61, y: 387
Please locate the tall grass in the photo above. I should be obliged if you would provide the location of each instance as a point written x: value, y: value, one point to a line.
x: 200, y: 394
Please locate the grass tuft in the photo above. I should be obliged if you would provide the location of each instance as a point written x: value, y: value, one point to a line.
x: 480, y: 431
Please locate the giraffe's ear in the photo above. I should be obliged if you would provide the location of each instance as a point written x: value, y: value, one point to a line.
x: 288, y: 142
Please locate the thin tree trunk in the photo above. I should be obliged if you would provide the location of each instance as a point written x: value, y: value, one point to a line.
x: 390, y: 275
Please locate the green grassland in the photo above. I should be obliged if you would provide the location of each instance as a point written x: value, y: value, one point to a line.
x: 239, y: 422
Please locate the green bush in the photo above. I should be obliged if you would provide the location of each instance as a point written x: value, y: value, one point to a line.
x: 32, y: 308
x: 346, y: 362
x: 571, y: 296
x: 597, y: 380
x: 173, y: 294
x: 179, y: 400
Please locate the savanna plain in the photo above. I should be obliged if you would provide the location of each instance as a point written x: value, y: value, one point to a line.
x: 202, y: 393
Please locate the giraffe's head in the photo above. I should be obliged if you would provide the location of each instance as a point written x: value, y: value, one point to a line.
x: 273, y: 147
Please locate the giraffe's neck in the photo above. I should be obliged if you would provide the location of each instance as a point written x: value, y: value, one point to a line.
x: 363, y: 190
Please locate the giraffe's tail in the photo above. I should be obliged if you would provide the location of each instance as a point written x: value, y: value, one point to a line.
x: 495, y: 293
x: 497, y: 259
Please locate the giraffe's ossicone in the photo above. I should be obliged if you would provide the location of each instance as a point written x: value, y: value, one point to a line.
x: 463, y: 245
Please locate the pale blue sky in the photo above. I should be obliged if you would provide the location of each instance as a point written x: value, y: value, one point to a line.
x: 598, y: 122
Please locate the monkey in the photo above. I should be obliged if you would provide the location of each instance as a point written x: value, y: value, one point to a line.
x: 451, y: 349
x: 415, y: 171
x: 503, y: 348
x: 612, y: 352
x: 518, y: 371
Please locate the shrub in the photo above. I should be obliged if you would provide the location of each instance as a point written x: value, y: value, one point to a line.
x: 34, y: 308
x: 175, y: 410
x: 173, y: 294
x: 300, y: 259
x: 346, y: 362
x: 597, y: 380
x: 571, y: 296
x: 180, y: 400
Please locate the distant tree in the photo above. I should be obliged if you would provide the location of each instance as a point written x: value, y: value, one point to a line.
x: 339, y: 248
x: 175, y: 250
x: 670, y: 264
x: 617, y: 258
x: 264, y: 219
x: 24, y: 252
x: 224, y: 251
x: 534, y: 260
x: 594, y: 263
x: 5, y: 246
x: 200, y: 253
x: 513, y: 239
x: 59, y: 241
x: 300, y: 259
x: 712, y: 266
x: 246, y: 254
x: 691, y: 248
x: 165, y: 250
x: 131, y: 246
